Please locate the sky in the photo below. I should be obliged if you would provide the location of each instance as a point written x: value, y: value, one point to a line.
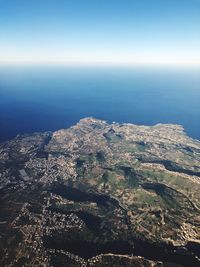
x: 100, y: 31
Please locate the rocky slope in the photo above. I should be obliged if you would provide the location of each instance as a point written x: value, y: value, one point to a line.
x: 100, y: 194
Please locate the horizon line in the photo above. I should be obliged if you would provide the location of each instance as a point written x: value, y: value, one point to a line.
x: 98, y: 63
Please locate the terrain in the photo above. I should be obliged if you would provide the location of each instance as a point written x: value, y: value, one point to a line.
x: 100, y: 194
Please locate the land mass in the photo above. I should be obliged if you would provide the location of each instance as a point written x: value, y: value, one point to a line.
x: 100, y: 194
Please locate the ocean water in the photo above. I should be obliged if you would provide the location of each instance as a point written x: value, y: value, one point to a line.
x: 49, y: 98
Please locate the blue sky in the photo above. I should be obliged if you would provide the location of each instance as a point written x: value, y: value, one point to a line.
x: 100, y: 31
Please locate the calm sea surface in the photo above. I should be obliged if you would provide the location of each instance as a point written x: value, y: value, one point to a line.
x: 49, y: 98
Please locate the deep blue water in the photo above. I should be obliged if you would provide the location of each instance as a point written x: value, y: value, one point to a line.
x: 49, y: 98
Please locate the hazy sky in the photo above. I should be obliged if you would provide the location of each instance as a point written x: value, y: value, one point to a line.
x: 89, y: 31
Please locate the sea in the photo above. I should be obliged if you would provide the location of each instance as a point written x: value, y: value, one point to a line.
x: 48, y: 98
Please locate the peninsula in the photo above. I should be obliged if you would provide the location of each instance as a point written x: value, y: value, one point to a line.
x: 100, y: 194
